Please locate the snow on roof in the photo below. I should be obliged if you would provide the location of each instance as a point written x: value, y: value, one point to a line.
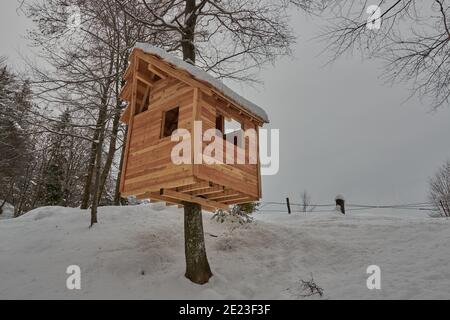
x: 199, y: 74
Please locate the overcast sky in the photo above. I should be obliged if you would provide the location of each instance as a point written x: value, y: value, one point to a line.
x: 342, y: 130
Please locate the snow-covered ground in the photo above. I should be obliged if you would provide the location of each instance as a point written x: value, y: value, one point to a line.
x: 138, y: 252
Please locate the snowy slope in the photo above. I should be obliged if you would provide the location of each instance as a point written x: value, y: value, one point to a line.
x: 8, y: 211
x: 137, y: 252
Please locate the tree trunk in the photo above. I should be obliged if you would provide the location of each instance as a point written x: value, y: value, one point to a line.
x: 188, y: 37
x: 98, y: 166
x: 24, y: 192
x: 89, y: 174
x: 118, y: 83
x: 111, y: 152
x: 96, y: 144
x: 101, y: 126
x: 117, y: 196
x: 96, y: 190
x: 197, y: 266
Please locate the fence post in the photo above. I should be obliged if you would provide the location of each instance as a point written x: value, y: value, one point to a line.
x: 288, y: 205
x: 340, y: 202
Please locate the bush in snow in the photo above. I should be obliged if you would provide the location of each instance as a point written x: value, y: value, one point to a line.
x: 310, y: 288
x: 440, y: 190
x: 239, y: 214
x: 248, y: 208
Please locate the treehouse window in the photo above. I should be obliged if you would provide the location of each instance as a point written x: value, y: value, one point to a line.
x: 233, y: 131
x: 220, y: 123
x: 170, y: 122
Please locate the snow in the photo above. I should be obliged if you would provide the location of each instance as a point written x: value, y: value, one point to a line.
x: 17, y: 126
x: 8, y: 211
x: 138, y: 252
x: 204, y: 76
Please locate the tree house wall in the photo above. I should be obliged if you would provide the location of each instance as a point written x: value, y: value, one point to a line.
x: 150, y: 166
x: 240, y: 177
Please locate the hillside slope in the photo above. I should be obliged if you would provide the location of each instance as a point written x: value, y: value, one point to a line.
x: 8, y: 211
x: 138, y: 252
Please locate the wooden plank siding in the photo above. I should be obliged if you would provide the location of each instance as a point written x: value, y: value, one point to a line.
x: 149, y: 160
x: 240, y: 177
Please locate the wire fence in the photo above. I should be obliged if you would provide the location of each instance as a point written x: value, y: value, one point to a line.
x: 284, y: 207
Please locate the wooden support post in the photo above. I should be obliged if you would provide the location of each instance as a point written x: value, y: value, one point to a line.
x: 288, y: 205
x: 340, y: 202
x: 189, y: 198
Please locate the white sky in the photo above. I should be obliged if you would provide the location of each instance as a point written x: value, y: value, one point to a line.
x: 342, y: 130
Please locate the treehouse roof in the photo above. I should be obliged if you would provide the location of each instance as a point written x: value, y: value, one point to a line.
x: 205, y: 77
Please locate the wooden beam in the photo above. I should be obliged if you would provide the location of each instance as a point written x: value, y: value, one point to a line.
x: 144, y: 100
x: 188, y: 198
x: 156, y: 71
x: 125, y: 117
x: 132, y: 107
x: 258, y: 159
x: 235, y: 202
x: 125, y: 93
x: 196, y: 116
x: 129, y: 70
x: 208, y: 191
x: 159, y: 198
x: 226, y: 194
x: 194, y: 187
x: 234, y: 198
x: 147, y: 82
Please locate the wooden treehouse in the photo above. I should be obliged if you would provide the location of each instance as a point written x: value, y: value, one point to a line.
x: 164, y: 94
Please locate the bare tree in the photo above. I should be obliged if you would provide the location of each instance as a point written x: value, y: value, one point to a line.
x: 17, y: 144
x: 306, y: 203
x: 440, y: 189
x: 231, y: 39
x: 413, y: 40
x: 88, y: 61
